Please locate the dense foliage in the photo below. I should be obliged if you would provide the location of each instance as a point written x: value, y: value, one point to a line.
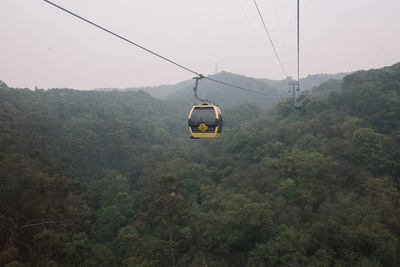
x: 111, y: 179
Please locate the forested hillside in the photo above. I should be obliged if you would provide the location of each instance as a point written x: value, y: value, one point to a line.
x: 111, y: 179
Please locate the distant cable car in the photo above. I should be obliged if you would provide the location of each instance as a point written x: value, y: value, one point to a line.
x: 205, y: 119
x: 297, y: 105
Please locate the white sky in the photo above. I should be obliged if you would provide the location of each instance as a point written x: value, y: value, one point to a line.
x: 42, y: 46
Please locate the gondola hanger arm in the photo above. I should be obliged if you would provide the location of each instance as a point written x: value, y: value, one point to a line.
x: 197, y: 78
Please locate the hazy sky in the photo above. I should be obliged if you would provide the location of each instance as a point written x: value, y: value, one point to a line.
x: 45, y: 47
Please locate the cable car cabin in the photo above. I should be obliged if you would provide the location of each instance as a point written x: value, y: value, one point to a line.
x: 205, y: 121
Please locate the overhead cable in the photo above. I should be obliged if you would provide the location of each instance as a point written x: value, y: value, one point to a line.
x: 270, y: 39
x: 152, y: 52
x: 298, y: 42
x: 238, y: 87
x: 123, y: 38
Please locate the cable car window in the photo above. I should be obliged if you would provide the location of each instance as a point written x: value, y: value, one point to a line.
x: 203, y: 115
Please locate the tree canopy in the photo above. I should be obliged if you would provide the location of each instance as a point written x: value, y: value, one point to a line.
x: 111, y: 179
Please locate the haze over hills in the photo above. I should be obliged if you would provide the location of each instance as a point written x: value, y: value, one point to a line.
x: 308, y: 82
x: 226, y: 96
x: 273, y: 86
x: 160, y: 91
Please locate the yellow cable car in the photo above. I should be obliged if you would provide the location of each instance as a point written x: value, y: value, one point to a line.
x: 205, y: 121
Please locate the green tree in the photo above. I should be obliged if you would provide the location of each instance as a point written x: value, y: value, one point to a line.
x: 108, y: 222
x: 367, y: 147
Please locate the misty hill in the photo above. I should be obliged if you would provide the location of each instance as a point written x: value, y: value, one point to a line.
x: 226, y: 96
x: 307, y: 83
x: 274, y: 86
x: 160, y: 92
x: 111, y: 179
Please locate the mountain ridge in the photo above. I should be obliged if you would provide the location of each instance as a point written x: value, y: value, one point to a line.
x: 167, y: 90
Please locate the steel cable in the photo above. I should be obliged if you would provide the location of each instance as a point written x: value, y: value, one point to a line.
x: 154, y: 53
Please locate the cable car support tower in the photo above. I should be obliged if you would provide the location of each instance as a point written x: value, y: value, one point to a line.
x: 294, y: 86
